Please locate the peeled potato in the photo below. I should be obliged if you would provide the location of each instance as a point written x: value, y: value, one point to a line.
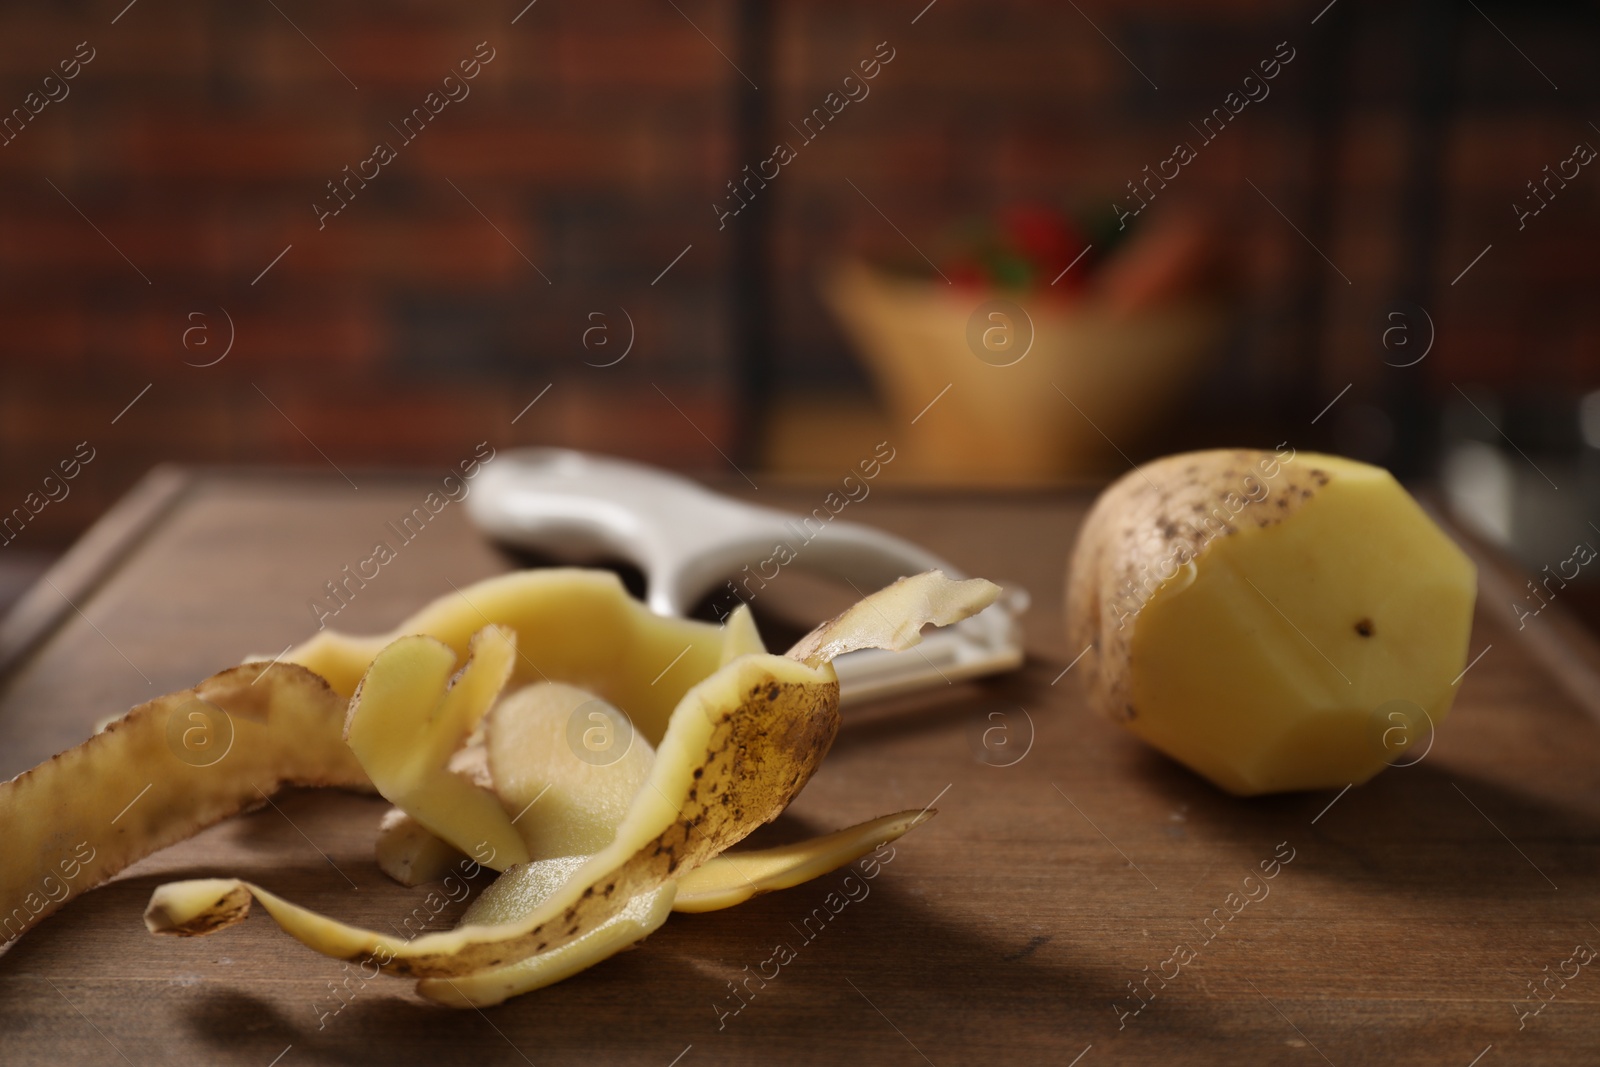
x: 1273, y: 621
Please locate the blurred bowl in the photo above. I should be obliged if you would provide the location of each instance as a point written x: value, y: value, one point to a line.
x: 1016, y: 366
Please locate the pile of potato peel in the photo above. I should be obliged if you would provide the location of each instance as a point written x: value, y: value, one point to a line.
x: 474, y: 718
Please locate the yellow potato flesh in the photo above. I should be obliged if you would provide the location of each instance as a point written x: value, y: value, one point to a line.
x: 1264, y: 663
x: 572, y: 795
x: 409, y: 716
x: 572, y: 625
x: 739, y: 637
x: 564, y: 767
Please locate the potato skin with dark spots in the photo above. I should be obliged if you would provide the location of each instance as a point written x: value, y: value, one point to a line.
x: 233, y: 907
x: 795, y: 728
x: 287, y: 724
x: 1147, y: 528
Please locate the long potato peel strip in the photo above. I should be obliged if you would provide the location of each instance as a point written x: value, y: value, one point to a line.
x: 160, y: 774
x: 736, y: 749
x: 734, y: 877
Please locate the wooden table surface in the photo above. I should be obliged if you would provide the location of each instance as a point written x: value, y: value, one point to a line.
x: 1409, y: 926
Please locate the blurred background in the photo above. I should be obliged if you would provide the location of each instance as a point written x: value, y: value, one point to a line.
x: 1026, y: 243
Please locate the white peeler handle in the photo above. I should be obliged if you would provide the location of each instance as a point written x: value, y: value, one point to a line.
x: 687, y: 540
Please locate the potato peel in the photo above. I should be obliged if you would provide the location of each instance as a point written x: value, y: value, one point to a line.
x: 407, y: 852
x: 202, y: 906
x: 720, y: 882
x: 566, y: 764
x: 572, y: 625
x: 639, y: 918
x: 734, y: 877
x: 134, y: 788
x: 741, y: 745
x: 732, y: 750
x: 894, y: 616
x: 523, y: 889
x: 409, y: 716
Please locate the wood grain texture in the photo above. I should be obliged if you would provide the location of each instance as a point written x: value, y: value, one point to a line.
x: 1412, y: 915
x: 72, y: 577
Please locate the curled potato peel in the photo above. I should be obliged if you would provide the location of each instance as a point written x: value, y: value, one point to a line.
x: 718, y: 883
x: 736, y: 733
x: 66, y: 819
x: 734, y: 877
x: 408, y: 717
x: 894, y: 616
x: 641, y: 917
x: 574, y: 796
x: 412, y: 856
x: 572, y: 625
x: 737, y: 747
x: 522, y: 889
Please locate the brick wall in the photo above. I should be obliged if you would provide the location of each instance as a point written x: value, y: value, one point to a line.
x: 460, y: 281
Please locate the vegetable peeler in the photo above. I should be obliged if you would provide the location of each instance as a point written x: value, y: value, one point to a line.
x: 689, y: 541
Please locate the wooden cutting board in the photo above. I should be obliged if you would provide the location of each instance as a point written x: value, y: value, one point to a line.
x: 1407, y: 922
